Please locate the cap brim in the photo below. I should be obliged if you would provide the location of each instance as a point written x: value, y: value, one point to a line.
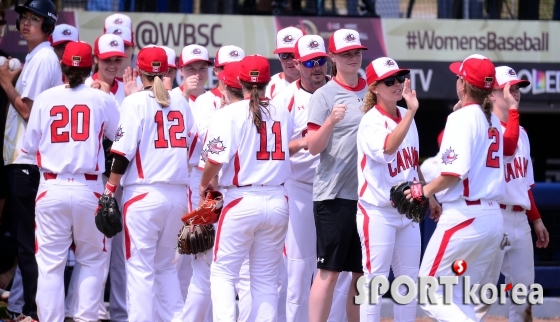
x: 455, y: 68
x: 111, y: 54
x: 284, y: 51
x: 521, y: 82
x: 195, y: 60
x: 128, y: 43
x: 401, y: 71
x: 60, y: 42
x: 312, y: 56
x: 349, y: 48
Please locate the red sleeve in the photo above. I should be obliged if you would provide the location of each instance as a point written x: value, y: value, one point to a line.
x: 532, y: 214
x: 511, y: 135
x: 313, y: 126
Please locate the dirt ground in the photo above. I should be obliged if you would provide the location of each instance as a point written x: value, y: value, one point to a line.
x: 490, y: 319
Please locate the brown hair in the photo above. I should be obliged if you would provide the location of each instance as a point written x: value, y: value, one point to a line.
x: 160, y: 92
x: 75, y: 75
x: 238, y: 92
x: 370, y: 99
x: 333, y: 68
x: 255, y: 102
x: 480, y: 96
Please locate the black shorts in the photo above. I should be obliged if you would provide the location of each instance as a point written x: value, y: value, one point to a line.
x: 338, y: 243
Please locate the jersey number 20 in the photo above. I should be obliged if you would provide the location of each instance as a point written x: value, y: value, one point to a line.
x: 277, y: 154
x: 78, y: 115
x: 491, y: 160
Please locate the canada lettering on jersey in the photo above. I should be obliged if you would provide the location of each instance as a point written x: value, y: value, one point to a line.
x: 516, y: 169
x: 405, y: 159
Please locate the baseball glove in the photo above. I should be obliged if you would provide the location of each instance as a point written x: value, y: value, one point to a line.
x: 415, y: 208
x: 209, y: 212
x: 194, y: 239
x: 108, y: 216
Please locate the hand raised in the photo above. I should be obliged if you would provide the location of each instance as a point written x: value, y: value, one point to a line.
x: 338, y: 112
x: 410, y: 96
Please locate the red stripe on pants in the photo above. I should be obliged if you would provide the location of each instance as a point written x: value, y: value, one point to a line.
x: 222, y: 216
x: 366, y: 237
x: 126, y: 234
x: 445, y: 241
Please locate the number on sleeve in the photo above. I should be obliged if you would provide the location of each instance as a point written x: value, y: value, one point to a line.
x: 491, y: 160
x: 78, y: 115
x: 174, y: 130
x: 277, y: 154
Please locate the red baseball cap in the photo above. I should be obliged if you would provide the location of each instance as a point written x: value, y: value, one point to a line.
x: 109, y: 45
x: 152, y: 60
x: 476, y: 70
x: 254, y: 69
x: 77, y: 54
x: 344, y: 40
x: 382, y: 68
x: 230, y: 73
x: 505, y: 74
x: 310, y: 47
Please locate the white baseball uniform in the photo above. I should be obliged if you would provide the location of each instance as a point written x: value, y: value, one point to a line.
x: 117, y: 88
x: 300, y: 245
x: 470, y: 227
x: 198, y: 302
x: 255, y: 165
x: 62, y: 120
x: 389, y: 239
x: 515, y: 261
x: 154, y: 139
x: 276, y: 85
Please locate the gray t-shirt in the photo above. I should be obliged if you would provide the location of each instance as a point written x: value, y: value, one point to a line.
x: 337, y: 175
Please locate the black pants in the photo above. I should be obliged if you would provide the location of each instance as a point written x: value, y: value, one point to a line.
x: 24, y: 182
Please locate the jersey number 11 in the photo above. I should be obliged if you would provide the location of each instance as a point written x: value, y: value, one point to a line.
x: 277, y: 154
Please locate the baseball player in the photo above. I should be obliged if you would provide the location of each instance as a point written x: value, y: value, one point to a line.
x: 121, y: 24
x: 61, y: 36
x: 471, y: 180
x: 41, y: 71
x: 515, y: 261
x: 248, y: 142
x: 310, y: 58
x: 108, y: 57
x: 71, y: 117
x: 285, y: 46
x: 388, y: 150
x: 333, y: 119
x: 150, y: 149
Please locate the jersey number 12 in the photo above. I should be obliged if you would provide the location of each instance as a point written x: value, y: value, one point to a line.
x: 174, y: 130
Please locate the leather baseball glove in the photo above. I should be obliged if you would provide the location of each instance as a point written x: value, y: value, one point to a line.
x: 194, y: 239
x: 415, y: 208
x: 209, y: 212
x: 108, y: 216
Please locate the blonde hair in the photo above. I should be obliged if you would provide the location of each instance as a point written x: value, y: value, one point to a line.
x: 158, y: 88
x: 480, y: 96
x: 255, y: 102
x: 370, y: 99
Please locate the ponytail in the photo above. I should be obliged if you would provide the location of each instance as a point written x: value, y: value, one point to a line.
x: 370, y: 100
x: 158, y: 88
x: 487, y: 107
x: 480, y: 96
x: 255, y: 102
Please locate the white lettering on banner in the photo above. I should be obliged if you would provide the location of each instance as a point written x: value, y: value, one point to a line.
x: 541, y: 81
x: 426, y: 287
x: 425, y: 78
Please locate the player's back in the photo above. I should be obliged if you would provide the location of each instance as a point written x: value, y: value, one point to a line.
x: 261, y: 157
x: 70, y: 124
x: 154, y: 139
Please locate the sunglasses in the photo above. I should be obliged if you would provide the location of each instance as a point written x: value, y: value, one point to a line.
x: 286, y: 56
x: 314, y: 62
x: 390, y: 81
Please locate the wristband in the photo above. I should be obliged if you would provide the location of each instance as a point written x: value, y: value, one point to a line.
x: 110, y: 189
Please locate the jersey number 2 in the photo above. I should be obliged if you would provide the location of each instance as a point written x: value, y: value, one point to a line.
x: 174, y: 129
x: 78, y: 115
x: 277, y: 154
x: 491, y: 160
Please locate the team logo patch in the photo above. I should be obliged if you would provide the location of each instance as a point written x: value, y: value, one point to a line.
x: 234, y: 54
x: 155, y: 66
x: 76, y: 61
x: 118, y: 21
x: 288, y: 39
x: 114, y: 43
x: 66, y: 32
x: 390, y: 63
x: 119, y: 133
x: 215, y: 146
x: 254, y: 76
x: 488, y: 81
x: 313, y: 45
x: 350, y: 37
x: 197, y: 51
x: 117, y: 32
x: 511, y: 72
x: 449, y: 156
